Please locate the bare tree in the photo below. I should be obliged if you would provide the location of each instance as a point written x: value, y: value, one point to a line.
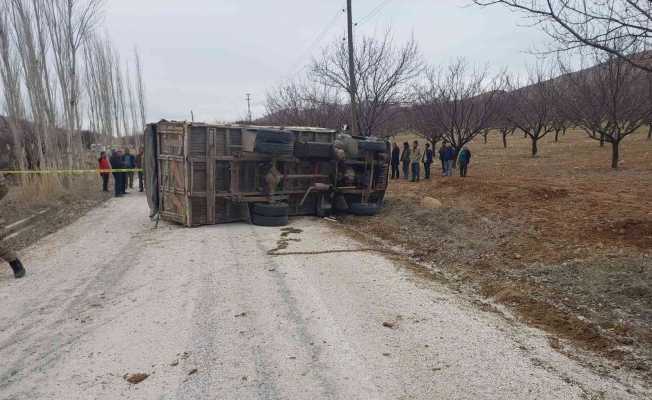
x: 69, y: 23
x: 424, y: 119
x: 463, y: 102
x: 133, y: 107
x: 305, y: 104
x: 532, y: 107
x: 99, y: 70
x: 592, y: 23
x: 609, y: 101
x: 500, y: 120
x: 140, y: 91
x: 31, y: 46
x: 52, y: 68
x: 559, y: 122
x: 10, y: 75
x: 383, y: 72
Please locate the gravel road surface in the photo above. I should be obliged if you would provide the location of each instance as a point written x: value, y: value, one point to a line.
x: 207, y: 313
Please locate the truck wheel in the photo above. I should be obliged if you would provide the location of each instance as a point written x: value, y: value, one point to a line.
x: 373, y: 146
x: 275, y: 148
x: 274, y: 136
x: 262, y: 220
x: 271, y: 209
x: 313, y: 150
x: 366, y: 209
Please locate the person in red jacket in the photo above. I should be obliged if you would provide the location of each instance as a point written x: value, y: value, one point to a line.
x: 105, y: 167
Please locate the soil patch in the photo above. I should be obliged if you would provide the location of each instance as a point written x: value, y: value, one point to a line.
x: 561, y: 240
x: 49, y: 212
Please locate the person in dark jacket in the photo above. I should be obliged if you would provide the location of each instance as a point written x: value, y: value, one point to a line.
x: 416, y: 157
x: 442, y: 153
x: 129, y: 163
x: 396, y: 157
x: 6, y: 253
x: 449, y: 157
x: 464, y: 158
x: 405, y: 159
x: 139, y: 164
x: 427, y: 161
x: 117, y: 162
x: 105, y: 167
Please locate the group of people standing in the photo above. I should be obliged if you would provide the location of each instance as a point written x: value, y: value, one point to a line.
x: 412, y: 158
x: 115, y: 165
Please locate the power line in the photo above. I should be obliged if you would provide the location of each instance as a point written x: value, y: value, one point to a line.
x: 375, y: 11
x: 320, y: 36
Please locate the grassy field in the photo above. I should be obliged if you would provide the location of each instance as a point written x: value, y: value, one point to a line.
x: 561, y: 239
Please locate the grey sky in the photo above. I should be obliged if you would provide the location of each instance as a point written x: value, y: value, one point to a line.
x: 204, y: 55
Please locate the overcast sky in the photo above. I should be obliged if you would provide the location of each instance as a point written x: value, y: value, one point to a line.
x: 204, y: 55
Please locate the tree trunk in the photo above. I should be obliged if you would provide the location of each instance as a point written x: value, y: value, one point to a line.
x: 535, y: 148
x: 602, y: 140
x: 485, y: 134
x: 615, y: 154
x: 433, y: 144
x: 557, y: 135
x: 649, y: 133
x: 504, y: 140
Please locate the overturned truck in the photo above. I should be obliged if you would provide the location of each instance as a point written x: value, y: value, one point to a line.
x: 199, y: 174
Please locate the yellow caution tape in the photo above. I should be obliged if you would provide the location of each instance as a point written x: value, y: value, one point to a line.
x: 71, y: 171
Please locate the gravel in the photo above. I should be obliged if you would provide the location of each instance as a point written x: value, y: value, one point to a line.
x: 207, y: 313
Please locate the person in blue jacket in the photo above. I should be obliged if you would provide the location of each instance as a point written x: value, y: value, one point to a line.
x: 129, y: 162
x: 464, y: 158
x: 449, y: 159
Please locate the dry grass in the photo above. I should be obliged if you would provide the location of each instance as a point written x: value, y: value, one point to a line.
x: 39, y: 189
x: 48, y: 203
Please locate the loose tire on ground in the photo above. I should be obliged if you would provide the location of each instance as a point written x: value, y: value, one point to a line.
x: 271, y: 209
x: 366, y: 209
x: 262, y: 220
x: 275, y: 148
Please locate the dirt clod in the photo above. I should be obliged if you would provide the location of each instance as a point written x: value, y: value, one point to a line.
x: 135, y: 378
x: 390, y: 324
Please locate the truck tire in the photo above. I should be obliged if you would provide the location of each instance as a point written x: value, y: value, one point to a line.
x: 281, y: 149
x: 372, y: 146
x: 262, y: 220
x: 313, y: 150
x: 366, y: 209
x: 271, y: 209
x: 274, y: 136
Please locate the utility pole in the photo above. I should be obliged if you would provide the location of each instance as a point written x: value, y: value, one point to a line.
x: 249, y: 107
x: 353, y: 88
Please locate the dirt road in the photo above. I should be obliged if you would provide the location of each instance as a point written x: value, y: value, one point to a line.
x: 207, y: 313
